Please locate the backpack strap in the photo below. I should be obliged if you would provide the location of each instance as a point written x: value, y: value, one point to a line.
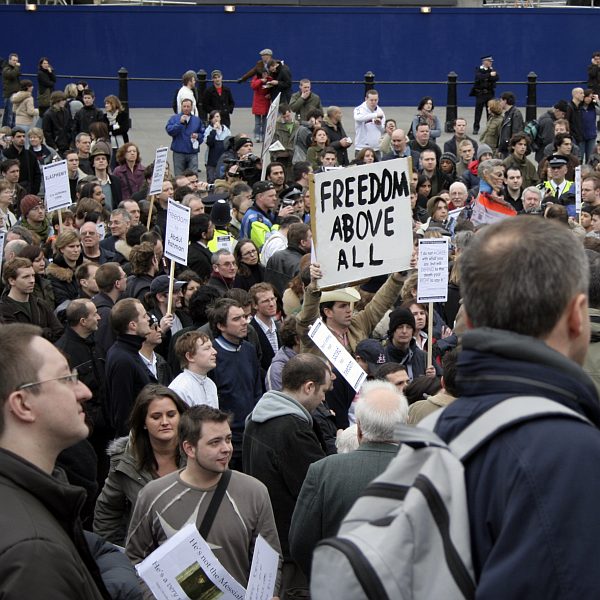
x: 504, y: 415
x: 416, y: 437
x: 213, y: 507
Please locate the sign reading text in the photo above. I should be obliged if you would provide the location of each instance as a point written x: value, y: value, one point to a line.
x: 178, y: 232
x: 362, y: 221
x: 56, y: 185
x: 432, y: 285
x: 158, y: 174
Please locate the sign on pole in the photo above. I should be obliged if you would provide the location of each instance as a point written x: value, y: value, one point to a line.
x: 269, y: 132
x: 362, y: 221
x: 178, y: 232
x: 578, y: 190
x: 432, y: 285
x: 158, y: 174
x: 56, y: 186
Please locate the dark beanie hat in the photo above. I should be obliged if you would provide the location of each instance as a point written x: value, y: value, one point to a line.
x: 400, y: 316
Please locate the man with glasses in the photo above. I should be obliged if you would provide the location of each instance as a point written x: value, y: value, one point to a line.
x: 126, y: 373
x: 224, y: 270
x: 41, y: 415
x: 90, y: 245
x: 263, y: 321
x: 19, y: 305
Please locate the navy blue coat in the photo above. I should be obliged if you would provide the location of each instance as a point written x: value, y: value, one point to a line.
x: 533, y: 491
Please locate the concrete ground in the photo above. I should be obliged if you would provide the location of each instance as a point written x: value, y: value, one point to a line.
x: 149, y: 133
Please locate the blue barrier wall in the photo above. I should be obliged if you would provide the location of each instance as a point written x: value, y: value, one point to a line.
x: 319, y: 43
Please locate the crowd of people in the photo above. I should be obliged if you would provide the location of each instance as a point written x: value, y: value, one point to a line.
x: 157, y: 405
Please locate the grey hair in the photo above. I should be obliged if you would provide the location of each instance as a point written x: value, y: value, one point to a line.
x: 347, y: 440
x: 121, y: 212
x: 487, y: 165
x: 462, y: 239
x: 533, y: 190
x: 332, y: 109
x: 520, y: 274
x: 456, y: 184
x: 377, y: 418
x: 188, y: 198
x: 214, y: 259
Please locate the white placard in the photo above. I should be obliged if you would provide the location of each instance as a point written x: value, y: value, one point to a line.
x: 263, y: 572
x: 186, y: 563
x: 178, y: 232
x: 101, y: 229
x: 56, y: 186
x: 578, y: 189
x: 158, y: 174
x: 224, y: 242
x: 2, y: 238
x: 432, y: 285
x: 270, y: 125
x: 362, y: 221
x: 339, y: 357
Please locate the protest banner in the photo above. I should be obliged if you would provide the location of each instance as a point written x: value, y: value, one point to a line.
x: 362, y: 221
x: 158, y: 176
x: 340, y: 358
x: 176, y: 240
x: 57, y: 191
x: 270, y: 125
x: 432, y: 285
x: 185, y: 567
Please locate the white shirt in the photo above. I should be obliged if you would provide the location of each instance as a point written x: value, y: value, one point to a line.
x: 195, y: 389
x: 270, y: 332
x: 150, y: 364
x: 277, y: 241
x: 185, y: 93
x: 368, y: 134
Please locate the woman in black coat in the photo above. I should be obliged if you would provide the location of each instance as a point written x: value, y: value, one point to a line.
x: 46, y: 81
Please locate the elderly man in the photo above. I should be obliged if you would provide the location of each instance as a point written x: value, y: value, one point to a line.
x: 532, y: 201
x: 334, y: 483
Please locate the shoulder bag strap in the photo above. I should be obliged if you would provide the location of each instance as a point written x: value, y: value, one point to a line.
x: 213, y: 507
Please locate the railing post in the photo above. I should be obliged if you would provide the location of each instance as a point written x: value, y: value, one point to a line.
x: 201, y: 76
x: 531, y: 108
x: 124, y: 91
x: 451, y: 102
x: 369, y: 81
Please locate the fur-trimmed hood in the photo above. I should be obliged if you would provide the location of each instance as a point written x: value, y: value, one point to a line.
x: 123, y: 247
x: 60, y: 273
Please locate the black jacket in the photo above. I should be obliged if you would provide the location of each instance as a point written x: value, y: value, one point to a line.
x: 138, y: 286
x: 40, y: 518
x: 126, y: 375
x: 30, y: 176
x: 224, y: 103
x: 105, y: 336
x: 335, y: 133
x: 41, y: 315
x: 63, y: 281
x: 86, y: 116
x: 199, y: 260
x: 512, y: 123
x: 58, y: 128
x: 265, y: 345
x: 84, y: 355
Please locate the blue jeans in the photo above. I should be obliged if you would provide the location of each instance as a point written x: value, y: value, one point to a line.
x: 8, y: 118
x: 260, y: 122
x: 181, y: 162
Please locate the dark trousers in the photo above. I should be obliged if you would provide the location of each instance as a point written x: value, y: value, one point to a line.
x: 480, y: 104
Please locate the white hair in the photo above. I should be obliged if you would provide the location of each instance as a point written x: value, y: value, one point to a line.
x: 379, y: 409
x: 347, y: 440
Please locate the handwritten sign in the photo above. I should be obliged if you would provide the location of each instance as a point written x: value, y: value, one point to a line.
x: 56, y: 186
x: 362, y: 221
x: 432, y: 285
x: 158, y: 174
x: 340, y: 358
x: 178, y: 232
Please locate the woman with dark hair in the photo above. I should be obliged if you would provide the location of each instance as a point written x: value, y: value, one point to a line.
x: 130, y: 170
x: 425, y: 116
x: 215, y: 138
x: 46, y: 81
x: 320, y: 141
x: 150, y: 451
x: 367, y: 156
x: 423, y: 190
x: 43, y: 288
x: 250, y: 271
x: 519, y: 146
x: 61, y: 272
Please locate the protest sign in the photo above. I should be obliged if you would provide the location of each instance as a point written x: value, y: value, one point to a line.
x: 340, y: 358
x: 362, y: 221
x: 185, y: 567
x: 158, y: 174
x: 432, y: 285
x: 57, y: 191
x: 178, y: 232
x: 270, y: 125
x: 578, y: 190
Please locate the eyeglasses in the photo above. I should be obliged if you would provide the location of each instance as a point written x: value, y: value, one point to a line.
x: 249, y: 253
x: 72, y: 378
x: 88, y: 233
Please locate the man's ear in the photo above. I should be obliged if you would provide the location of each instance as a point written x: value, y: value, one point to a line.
x: 18, y: 403
x: 188, y: 448
x: 577, y: 315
